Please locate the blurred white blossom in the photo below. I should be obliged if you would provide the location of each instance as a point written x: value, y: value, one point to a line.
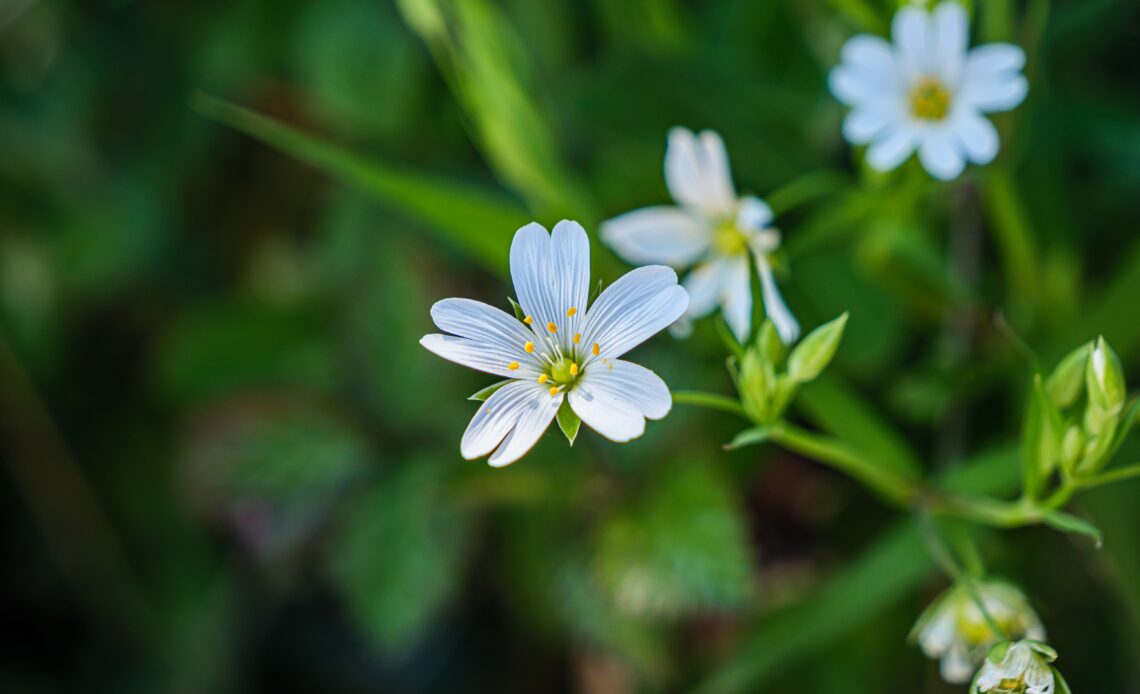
x: 927, y: 91
x: 954, y: 629
x: 710, y: 229
x: 560, y: 350
x: 1017, y: 668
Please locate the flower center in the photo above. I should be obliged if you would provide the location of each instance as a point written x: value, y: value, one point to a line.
x: 929, y: 100
x: 561, y: 363
x: 728, y: 240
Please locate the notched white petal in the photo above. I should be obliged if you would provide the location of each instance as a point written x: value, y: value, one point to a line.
x: 651, y: 235
x: 615, y: 397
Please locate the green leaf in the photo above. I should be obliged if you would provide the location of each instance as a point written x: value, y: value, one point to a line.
x: 1059, y: 520
x: 479, y: 222
x: 812, y: 355
x: 485, y: 393
x: 396, y: 559
x: 749, y: 437
x: 680, y: 549
x: 568, y: 421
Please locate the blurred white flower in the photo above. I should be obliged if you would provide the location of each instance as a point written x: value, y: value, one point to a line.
x: 561, y: 350
x: 927, y: 91
x: 954, y: 629
x: 710, y: 229
x: 1018, y: 668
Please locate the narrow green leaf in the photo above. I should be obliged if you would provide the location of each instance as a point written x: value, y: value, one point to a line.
x: 479, y: 222
x: 1059, y: 520
x: 568, y: 421
x: 481, y: 395
x: 749, y: 437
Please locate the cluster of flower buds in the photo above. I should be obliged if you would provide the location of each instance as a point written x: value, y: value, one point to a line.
x: 767, y: 374
x: 1076, y: 418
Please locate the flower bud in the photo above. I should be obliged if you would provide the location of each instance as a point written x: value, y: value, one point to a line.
x: 1017, y: 668
x: 1065, y: 383
x: 812, y: 355
x: 1072, y: 446
x: 756, y: 380
x: 1105, y: 380
x: 770, y: 344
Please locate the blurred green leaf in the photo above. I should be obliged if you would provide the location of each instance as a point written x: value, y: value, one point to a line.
x: 480, y: 223
x: 679, y: 549
x: 1067, y: 523
x: 399, y: 553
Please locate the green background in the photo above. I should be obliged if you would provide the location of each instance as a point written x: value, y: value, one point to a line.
x: 229, y: 466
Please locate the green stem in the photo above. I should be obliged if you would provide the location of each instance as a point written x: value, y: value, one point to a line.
x: 711, y: 401
x: 893, y: 487
x: 941, y: 553
x: 1124, y: 473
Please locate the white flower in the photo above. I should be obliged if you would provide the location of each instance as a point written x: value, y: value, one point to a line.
x: 1023, y: 668
x: 955, y: 630
x: 710, y: 228
x: 561, y: 350
x: 927, y: 91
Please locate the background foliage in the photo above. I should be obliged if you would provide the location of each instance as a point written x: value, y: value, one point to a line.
x: 230, y: 466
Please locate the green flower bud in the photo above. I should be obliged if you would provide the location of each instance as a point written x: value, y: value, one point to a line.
x: 1065, y: 383
x: 755, y: 382
x: 1105, y: 380
x: 771, y: 345
x: 1072, y: 446
x: 812, y: 355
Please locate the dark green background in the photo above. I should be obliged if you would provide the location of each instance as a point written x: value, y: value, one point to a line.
x: 229, y: 466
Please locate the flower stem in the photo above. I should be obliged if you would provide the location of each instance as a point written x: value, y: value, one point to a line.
x: 710, y: 401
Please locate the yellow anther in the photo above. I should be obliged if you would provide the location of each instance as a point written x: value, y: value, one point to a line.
x: 574, y: 369
x: 595, y: 349
x: 542, y: 378
x: 513, y: 365
x: 552, y: 327
x: 529, y: 347
x: 528, y: 320
x: 577, y: 338
x: 554, y: 391
x: 571, y: 311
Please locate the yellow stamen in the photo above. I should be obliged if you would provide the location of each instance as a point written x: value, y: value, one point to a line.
x: 542, y: 378
x: 595, y: 349
x: 552, y: 327
x: 574, y: 369
x: 577, y: 338
x: 929, y: 100
x: 571, y: 311
x: 513, y: 365
x: 528, y: 320
x: 554, y: 391
x: 529, y: 347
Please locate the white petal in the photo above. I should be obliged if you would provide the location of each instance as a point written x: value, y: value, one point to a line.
x: 537, y: 413
x: 869, y: 53
x: 480, y: 356
x: 736, y: 297
x: 753, y: 214
x: 952, y: 37
x: 703, y: 286
x: 532, y: 273
x: 1039, y: 678
x: 977, y: 136
x: 912, y: 37
x: 993, y: 59
x: 774, y: 306
x: 632, y: 309
x: 865, y: 123
x: 697, y: 173
x: 498, y: 415
x: 482, y: 323
x: 956, y: 666
x: 994, y: 93
x: 665, y: 235
x: 570, y: 249
x: 855, y: 85
x: 891, y: 148
x: 940, y: 155
x: 614, y: 398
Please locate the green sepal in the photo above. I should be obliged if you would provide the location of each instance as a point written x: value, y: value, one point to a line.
x: 594, y: 294
x: 1060, y: 685
x: 1043, y: 649
x: 519, y: 313
x: 568, y: 421
x: 812, y: 355
x: 749, y: 437
x: 1040, y: 439
x: 1066, y: 523
x: 998, y: 651
x: 485, y: 393
x: 770, y: 345
x: 1065, y: 383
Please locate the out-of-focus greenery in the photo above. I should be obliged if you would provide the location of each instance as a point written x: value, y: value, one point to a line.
x: 230, y: 466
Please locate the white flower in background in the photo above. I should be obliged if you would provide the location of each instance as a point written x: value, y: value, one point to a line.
x: 955, y: 630
x: 562, y: 350
x: 927, y: 91
x: 710, y: 229
x: 1018, y: 668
